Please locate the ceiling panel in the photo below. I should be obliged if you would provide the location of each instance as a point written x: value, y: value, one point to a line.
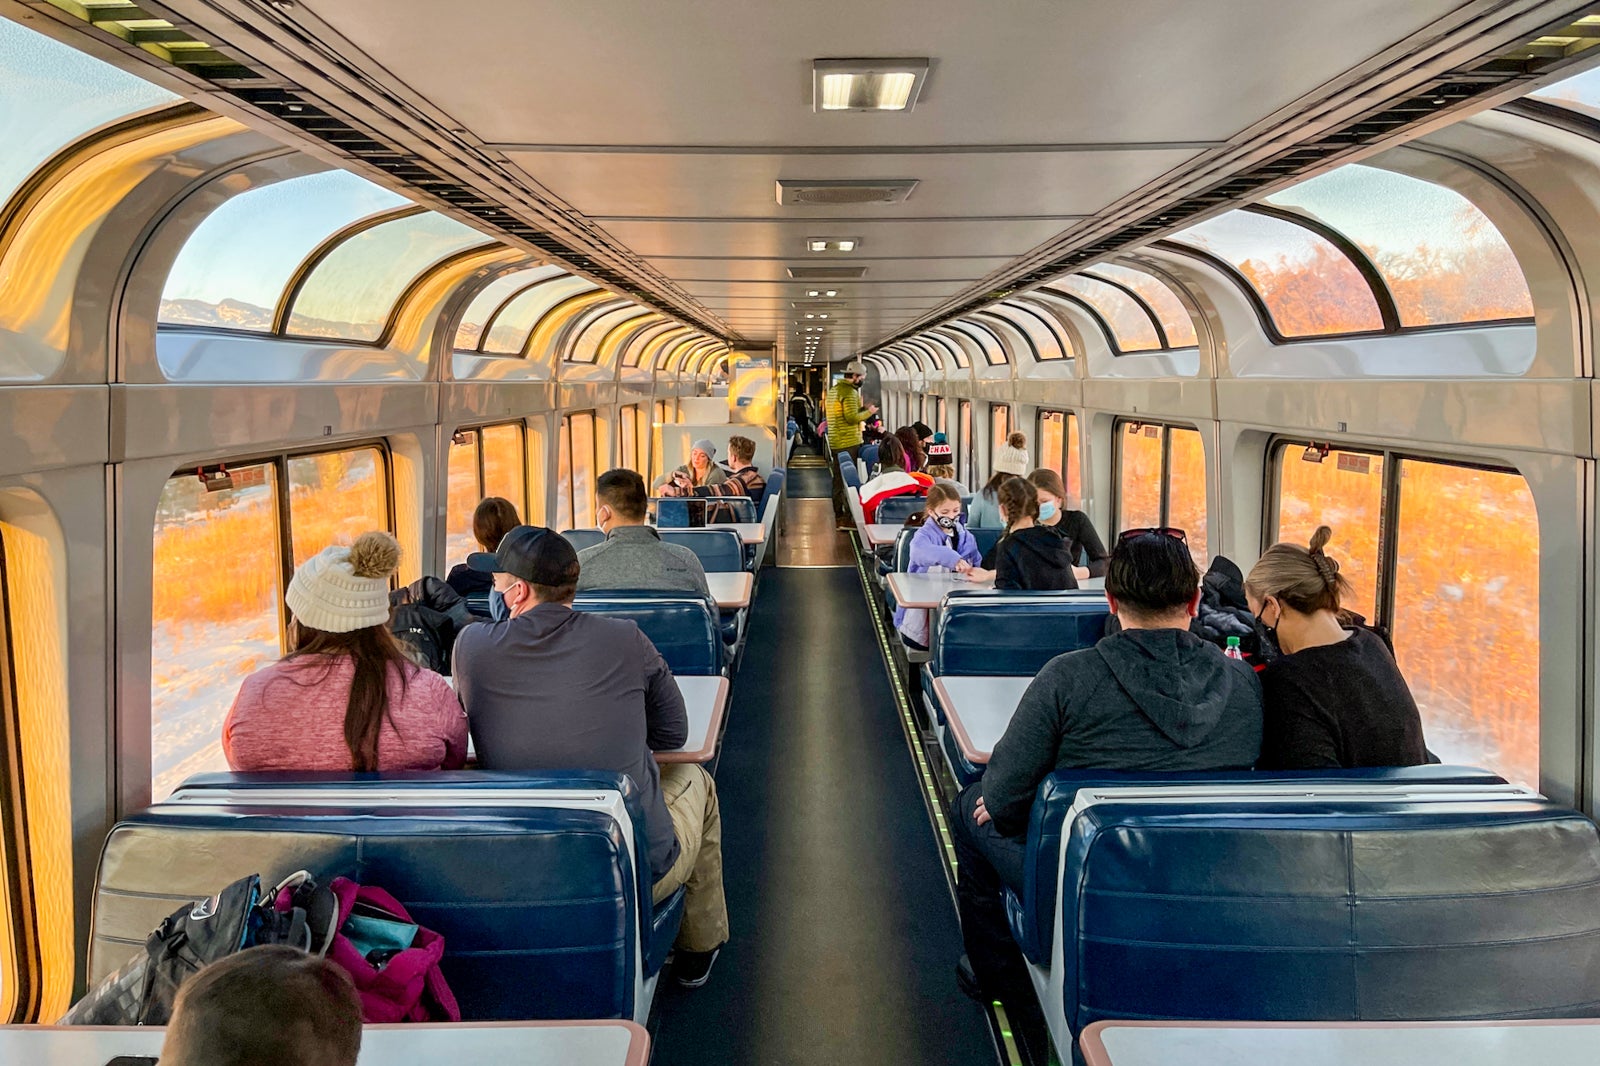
x: 687, y: 272
x: 700, y: 237
x: 950, y: 185
x: 735, y: 72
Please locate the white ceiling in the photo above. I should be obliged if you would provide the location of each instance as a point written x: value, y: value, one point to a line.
x: 669, y: 123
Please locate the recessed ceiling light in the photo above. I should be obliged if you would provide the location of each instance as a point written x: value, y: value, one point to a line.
x: 866, y: 84
x: 811, y: 316
x: 832, y: 244
x: 814, y: 292
x: 830, y: 292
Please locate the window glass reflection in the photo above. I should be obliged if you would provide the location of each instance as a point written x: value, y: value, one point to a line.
x: 1175, y: 320
x: 214, y: 608
x: 233, y: 270
x: 508, y: 334
x: 469, y: 334
x: 505, y: 464
x: 53, y: 95
x: 1131, y: 328
x: 334, y: 497
x: 1186, y: 491
x: 1441, y: 257
x: 350, y: 293
x: 462, y: 494
x: 1345, y: 493
x: 1309, y: 287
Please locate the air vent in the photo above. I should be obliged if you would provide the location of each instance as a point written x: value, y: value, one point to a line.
x: 834, y: 193
x: 827, y: 273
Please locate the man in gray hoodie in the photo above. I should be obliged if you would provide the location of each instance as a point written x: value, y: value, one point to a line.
x: 1151, y: 697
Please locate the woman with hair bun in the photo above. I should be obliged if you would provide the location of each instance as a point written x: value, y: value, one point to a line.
x: 345, y: 697
x: 1335, y: 697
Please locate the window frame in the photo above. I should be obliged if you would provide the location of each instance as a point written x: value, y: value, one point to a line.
x: 20, y: 957
x: 995, y: 439
x: 565, y: 437
x: 1118, y: 432
x: 1068, y: 417
x: 477, y: 430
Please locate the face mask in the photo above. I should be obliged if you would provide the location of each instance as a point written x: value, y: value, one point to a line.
x: 944, y: 521
x: 1047, y: 511
x: 1272, y: 630
x: 498, y: 611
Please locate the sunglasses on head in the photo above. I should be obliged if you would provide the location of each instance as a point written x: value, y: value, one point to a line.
x: 1152, y: 531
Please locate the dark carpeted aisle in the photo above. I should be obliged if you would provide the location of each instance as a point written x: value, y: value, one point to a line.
x: 844, y: 933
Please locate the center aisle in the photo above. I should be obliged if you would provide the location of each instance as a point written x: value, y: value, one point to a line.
x: 844, y: 935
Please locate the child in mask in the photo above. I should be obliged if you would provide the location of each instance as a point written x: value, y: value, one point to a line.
x: 941, y: 541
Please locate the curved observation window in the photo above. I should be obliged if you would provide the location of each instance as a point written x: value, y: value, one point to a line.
x: 235, y: 266
x: 1160, y: 299
x: 1442, y: 259
x: 509, y: 332
x: 1132, y: 328
x: 54, y: 95
x: 469, y: 334
x: 1580, y: 93
x: 349, y: 295
x: 1310, y: 288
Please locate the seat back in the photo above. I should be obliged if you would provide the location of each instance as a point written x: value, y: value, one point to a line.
x: 986, y: 632
x: 720, y: 551
x: 773, y: 491
x: 899, y: 508
x: 902, y: 549
x: 680, y: 625
x: 539, y: 883
x: 1327, y: 909
x: 1033, y: 914
x: 986, y: 538
x: 672, y: 512
x: 869, y: 455
x: 583, y: 538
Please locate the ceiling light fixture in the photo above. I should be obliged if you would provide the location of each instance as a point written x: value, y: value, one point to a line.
x: 832, y: 244
x: 867, y: 84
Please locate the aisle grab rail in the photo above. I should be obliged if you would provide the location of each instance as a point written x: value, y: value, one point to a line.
x: 539, y: 883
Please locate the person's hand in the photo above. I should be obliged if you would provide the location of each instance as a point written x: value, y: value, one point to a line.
x: 962, y: 566
x: 980, y: 813
x: 670, y: 489
x: 872, y: 408
x: 1080, y: 572
x: 977, y: 574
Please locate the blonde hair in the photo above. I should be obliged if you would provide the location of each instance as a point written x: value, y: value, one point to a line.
x: 944, y: 470
x: 1303, y: 579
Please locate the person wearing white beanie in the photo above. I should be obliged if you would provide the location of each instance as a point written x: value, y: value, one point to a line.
x: 346, y: 697
x: 700, y: 467
x: 1009, y: 461
x: 1013, y: 458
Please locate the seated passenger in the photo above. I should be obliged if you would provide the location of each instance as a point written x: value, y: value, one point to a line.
x: 558, y: 689
x: 265, y: 1006
x: 1335, y: 696
x: 491, y: 520
x: 985, y: 510
x: 1074, y: 527
x: 745, y: 480
x: 1150, y: 697
x: 699, y: 470
x: 346, y: 697
x: 891, y: 457
x: 633, y: 555
x: 941, y: 541
x: 916, y: 457
x: 892, y: 482
x: 924, y: 434
x: 1028, y: 556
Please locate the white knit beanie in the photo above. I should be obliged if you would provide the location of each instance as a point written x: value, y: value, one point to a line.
x: 341, y: 590
x: 1011, y: 460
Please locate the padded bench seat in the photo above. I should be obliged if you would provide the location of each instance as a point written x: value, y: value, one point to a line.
x: 539, y: 883
x: 1479, y: 901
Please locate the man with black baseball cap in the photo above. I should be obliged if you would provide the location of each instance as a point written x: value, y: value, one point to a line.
x: 551, y: 688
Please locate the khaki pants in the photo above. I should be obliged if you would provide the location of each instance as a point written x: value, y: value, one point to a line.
x: 691, y: 798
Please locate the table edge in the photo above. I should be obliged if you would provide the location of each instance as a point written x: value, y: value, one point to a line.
x: 969, y: 750
x: 703, y: 754
x: 749, y: 584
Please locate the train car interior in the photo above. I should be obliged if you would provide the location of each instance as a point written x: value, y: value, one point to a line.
x: 782, y: 525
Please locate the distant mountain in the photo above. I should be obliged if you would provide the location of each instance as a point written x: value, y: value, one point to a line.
x: 229, y: 314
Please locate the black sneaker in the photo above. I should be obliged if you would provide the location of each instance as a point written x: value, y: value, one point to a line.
x: 691, y: 969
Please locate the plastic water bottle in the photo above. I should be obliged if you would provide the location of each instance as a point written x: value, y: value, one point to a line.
x: 1232, y: 650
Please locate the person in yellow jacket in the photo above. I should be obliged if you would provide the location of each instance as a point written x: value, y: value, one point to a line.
x: 845, y: 414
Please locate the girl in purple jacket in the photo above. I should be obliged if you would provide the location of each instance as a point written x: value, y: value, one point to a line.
x: 941, y: 541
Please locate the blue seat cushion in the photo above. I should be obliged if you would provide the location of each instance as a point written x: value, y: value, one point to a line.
x: 1033, y: 915
x: 680, y: 625
x: 1014, y: 633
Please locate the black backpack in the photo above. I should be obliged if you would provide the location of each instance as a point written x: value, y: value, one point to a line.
x: 426, y: 616
x: 298, y: 912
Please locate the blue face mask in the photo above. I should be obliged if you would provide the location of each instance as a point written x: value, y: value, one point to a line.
x: 498, y: 612
x: 1047, y: 511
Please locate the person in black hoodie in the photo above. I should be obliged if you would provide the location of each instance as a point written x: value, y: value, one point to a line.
x: 1151, y: 697
x: 1028, y: 556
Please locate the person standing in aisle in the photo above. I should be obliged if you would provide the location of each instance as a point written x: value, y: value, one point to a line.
x: 844, y: 416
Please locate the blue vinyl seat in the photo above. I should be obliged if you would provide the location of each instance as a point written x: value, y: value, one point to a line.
x: 897, y: 509
x: 1323, y: 907
x: 773, y: 491
x: 1005, y: 634
x: 720, y: 551
x: 672, y: 512
x: 680, y: 625
x: 545, y: 909
x: 986, y: 538
x: 848, y: 471
x: 869, y: 456
x: 583, y: 538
